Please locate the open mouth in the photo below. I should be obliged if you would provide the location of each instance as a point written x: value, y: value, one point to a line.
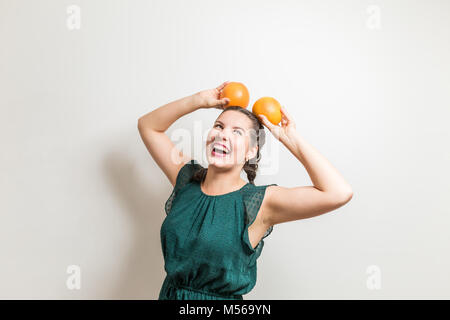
x: 219, y: 152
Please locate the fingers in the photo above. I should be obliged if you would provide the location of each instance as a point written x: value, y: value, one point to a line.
x: 220, y: 104
x: 222, y: 85
x: 266, y: 122
x: 286, y: 114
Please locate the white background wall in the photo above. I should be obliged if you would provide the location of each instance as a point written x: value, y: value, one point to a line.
x: 368, y: 83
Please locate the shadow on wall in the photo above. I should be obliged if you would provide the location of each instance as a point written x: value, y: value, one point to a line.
x: 142, y: 271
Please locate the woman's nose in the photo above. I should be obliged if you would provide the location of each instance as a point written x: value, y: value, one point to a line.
x: 222, y: 135
x: 220, y: 138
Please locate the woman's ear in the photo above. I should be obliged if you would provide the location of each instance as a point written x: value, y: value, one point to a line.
x: 252, y: 153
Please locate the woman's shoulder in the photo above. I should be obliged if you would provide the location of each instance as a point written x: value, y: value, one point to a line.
x: 253, y: 196
x: 253, y: 188
x: 192, y: 165
x: 186, y: 172
x: 184, y: 177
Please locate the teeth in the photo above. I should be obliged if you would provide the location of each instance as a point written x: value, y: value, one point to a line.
x: 219, y: 151
x: 218, y: 147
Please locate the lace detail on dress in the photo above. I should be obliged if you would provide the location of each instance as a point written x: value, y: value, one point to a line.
x: 183, y: 178
x: 253, y: 198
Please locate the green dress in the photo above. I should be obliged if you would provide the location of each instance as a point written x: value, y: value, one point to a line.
x: 205, y: 243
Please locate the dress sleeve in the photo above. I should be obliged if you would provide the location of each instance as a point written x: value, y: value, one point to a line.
x: 183, y: 178
x: 253, y: 199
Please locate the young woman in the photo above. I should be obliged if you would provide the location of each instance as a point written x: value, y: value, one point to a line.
x: 216, y: 222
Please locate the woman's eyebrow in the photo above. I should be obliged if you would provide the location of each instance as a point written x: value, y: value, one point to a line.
x: 218, y: 121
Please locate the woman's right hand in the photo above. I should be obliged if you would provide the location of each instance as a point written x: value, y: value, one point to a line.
x: 210, y: 98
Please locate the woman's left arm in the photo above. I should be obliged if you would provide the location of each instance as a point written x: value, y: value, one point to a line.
x: 329, y: 191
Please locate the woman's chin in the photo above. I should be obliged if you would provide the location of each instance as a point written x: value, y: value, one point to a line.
x: 220, y: 161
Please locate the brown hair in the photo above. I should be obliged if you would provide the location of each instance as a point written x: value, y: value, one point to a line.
x: 257, y: 135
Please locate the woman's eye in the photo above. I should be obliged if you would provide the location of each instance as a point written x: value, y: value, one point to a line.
x: 238, y: 131
x: 235, y: 130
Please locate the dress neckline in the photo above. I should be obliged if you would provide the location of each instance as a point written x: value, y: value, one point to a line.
x: 219, y: 195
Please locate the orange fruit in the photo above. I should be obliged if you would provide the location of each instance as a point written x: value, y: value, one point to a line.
x: 238, y: 94
x: 269, y: 107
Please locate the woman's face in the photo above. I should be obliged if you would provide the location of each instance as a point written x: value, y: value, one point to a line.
x: 230, y: 133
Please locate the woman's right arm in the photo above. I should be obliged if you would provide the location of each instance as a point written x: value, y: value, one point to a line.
x: 152, y: 127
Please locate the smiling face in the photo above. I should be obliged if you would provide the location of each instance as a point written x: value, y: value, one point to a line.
x: 228, y: 142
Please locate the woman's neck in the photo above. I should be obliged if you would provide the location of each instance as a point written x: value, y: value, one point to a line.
x: 221, y: 182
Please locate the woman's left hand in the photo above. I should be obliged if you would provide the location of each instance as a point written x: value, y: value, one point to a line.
x: 286, y: 131
x: 210, y: 98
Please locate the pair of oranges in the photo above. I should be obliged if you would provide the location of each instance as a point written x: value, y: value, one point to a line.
x: 238, y: 94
